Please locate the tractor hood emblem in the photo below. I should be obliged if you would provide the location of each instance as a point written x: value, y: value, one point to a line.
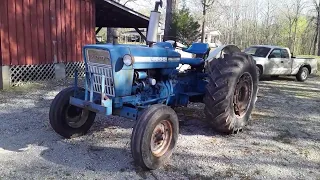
x: 98, y: 56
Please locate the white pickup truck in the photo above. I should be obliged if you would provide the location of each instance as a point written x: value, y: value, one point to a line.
x: 275, y: 61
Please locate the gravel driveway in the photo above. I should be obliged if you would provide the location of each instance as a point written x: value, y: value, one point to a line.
x: 281, y: 142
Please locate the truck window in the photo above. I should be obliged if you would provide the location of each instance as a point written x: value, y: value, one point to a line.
x: 276, y: 53
x: 257, y: 51
x: 284, y: 53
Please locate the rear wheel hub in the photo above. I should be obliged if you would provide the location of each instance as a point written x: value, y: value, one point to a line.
x: 242, y: 94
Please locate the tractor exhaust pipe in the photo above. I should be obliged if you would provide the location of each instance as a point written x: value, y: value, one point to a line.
x: 154, y: 24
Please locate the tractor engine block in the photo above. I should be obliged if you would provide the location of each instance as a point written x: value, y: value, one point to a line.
x: 150, y: 87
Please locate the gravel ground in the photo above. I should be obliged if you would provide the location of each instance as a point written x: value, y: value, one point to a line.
x: 281, y: 142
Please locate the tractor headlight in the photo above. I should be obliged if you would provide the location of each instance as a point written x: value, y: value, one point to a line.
x: 127, y: 60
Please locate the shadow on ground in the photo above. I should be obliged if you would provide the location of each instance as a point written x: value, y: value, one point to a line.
x: 281, y: 140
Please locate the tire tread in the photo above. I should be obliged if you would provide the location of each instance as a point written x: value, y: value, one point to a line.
x: 218, y: 95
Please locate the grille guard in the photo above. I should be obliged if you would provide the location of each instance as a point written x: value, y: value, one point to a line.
x: 106, y: 103
x: 101, y: 77
x: 104, y: 108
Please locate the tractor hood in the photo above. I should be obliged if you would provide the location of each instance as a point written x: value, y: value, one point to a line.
x: 161, y: 55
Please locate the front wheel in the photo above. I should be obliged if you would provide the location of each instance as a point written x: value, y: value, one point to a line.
x: 231, y: 92
x: 154, y: 136
x: 68, y: 120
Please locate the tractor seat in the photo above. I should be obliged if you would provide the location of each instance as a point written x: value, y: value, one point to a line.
x: 164, y: 45
x: 192, y: 61
x: 198, y: 48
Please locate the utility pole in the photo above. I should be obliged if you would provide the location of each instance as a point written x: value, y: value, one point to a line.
x: 171, y: 8
x: 206, y: 4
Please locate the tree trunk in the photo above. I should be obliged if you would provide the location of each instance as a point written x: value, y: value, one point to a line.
x: 109, y: 35
x: 171, y: 7
x: 110, y: 31
x: 317, y: 40
x: 294, y: 36
x: 203, y: 22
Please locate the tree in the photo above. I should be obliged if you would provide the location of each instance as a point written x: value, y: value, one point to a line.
x: 292, y: 13
x: 171, y: 8
x: 184, y: 27
x: 206, y: 4
x: 316, y: 4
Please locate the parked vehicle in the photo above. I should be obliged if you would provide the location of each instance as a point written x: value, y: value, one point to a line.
x: 141, y: 82
x: 275, y: 61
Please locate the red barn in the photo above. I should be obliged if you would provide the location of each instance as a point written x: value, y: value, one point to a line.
x: 43, y: 39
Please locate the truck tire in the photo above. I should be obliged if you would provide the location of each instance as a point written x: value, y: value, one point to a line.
x: 154, y: 136
x: 68, y: 120
x: 302, y: 74
x: 231, y: 92
x: 259, y: 72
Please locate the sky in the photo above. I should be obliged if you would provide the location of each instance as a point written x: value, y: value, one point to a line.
x: 141, y: 4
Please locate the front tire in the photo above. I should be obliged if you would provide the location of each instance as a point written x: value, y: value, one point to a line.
x: 231, y: 92
x: 154, y: 136
x: 68, y: 120
x: 302, y: 75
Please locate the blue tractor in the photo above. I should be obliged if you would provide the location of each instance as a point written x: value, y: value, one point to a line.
x: 141, y: 82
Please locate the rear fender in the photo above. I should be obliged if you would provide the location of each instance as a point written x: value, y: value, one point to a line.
x: 221, y: 51
x: 295, y: 70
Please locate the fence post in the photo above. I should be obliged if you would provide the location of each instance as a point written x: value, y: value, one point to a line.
x: 4, y: 77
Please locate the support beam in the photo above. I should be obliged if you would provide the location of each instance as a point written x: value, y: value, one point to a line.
x: 98, y: 30
x: 140, y: 33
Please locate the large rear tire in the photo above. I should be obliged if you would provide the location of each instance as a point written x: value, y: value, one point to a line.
x: 231, y: 92
x: 68, y: 120
x: 154, y: 136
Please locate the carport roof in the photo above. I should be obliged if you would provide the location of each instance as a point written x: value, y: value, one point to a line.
x: 112, y: 14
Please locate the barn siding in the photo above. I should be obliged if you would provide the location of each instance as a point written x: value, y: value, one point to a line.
x: 4, y: 30
x: 45, y: 31
x: 20, y: 32
x: 27, y: 31
x: 12, y: 31
x: 34, y: 33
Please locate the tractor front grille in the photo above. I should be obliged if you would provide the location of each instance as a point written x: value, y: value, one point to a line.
x: 99, y: 71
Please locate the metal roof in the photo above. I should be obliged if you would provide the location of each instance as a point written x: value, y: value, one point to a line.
x: 112, y: 14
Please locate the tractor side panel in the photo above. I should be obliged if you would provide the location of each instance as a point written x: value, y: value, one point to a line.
x: 122, y: 74
x: 151, y: 58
